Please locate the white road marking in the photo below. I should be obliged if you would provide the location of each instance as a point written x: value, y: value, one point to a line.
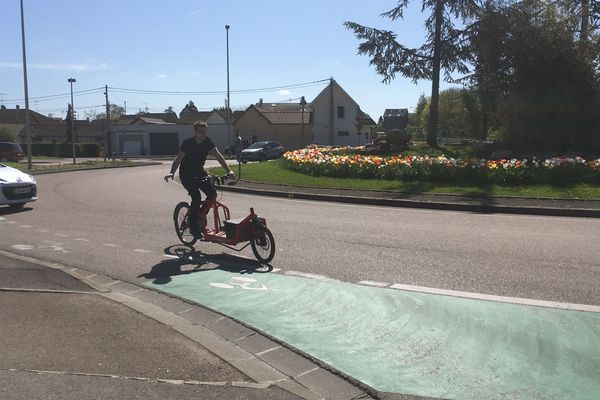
x: 501, y: 299
x: 110, y: 245
x: 306, y: 275
x: 52, y: 246
x: 25, y: 226
x: 82, y: 240
x: 62, y: 235
x: 455, y: 293
x: 23, y: 247
x: 373, y: 283
x: 221, y: 285
x: 142, y: 251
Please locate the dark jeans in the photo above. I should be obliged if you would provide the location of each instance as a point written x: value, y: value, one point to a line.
x: 193, y: 186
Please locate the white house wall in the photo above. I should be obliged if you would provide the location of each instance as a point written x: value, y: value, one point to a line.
x: 321, y: 118
x: 218, y: 131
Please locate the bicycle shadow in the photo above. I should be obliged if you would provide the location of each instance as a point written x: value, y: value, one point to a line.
x: 187, y: 260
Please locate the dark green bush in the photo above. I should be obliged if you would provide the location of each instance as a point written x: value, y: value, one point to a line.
x: 89, y: 149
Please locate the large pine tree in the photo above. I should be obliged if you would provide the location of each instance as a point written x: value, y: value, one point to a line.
x: 445, y: 49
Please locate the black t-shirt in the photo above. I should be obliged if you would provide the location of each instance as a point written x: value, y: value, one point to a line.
x: 195, y: 156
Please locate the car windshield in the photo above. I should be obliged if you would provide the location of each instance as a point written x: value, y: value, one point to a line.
x: 257, y: 145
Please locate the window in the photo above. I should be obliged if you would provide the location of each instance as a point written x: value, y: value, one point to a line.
x: 340, y: 111
x: 343, y: 133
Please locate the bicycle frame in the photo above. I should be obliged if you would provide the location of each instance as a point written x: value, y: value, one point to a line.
x: 214, y: 232
x: 217, y: 227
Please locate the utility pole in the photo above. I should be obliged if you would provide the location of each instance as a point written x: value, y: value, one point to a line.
x: 71, y: 81
x: 27, y: 118
x: 228, y: 98
x: 106, y: 128
x: 331, y: 118
x: 302, y: 104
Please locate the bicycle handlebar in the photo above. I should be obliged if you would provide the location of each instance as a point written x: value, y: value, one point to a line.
x: 221, y: 179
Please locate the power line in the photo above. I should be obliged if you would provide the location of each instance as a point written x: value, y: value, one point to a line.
x: 98, y: 90
x: 57, y: 96
x: 219, y: 92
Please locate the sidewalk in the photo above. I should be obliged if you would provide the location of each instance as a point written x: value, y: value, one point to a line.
x: 71, y: 334
x: 496, y: 204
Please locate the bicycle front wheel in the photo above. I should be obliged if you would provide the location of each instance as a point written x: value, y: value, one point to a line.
x: 263, y: 244
x: 182, y: 226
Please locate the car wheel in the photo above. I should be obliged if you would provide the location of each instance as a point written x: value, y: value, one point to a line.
x: 3, y: 159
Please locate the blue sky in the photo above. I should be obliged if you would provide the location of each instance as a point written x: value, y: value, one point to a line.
x: 180, y: 46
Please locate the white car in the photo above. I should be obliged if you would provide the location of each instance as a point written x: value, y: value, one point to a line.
x: 16, y: 187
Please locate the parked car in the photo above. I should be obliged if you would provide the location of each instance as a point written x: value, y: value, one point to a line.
x: 16, y: 187
x: 10, y: 152
x: 231, y: 151
x: 262, y: 151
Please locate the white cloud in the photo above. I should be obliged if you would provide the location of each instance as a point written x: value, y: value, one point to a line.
x: 195, y: 13
x: 58, y: 67
x: 161, y: 76
x: 284, y: 92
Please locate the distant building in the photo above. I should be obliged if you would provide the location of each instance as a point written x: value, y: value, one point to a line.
x: 13, y: 120
x: 338, y: 119
x: 394, y: 118
x: 280, y: 122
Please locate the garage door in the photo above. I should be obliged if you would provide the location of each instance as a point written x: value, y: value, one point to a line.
x: 132, y: 147
x: 162, y: 144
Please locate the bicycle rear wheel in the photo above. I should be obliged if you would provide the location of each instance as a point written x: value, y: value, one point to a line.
x: 182, y: 228
x: 263, y: 244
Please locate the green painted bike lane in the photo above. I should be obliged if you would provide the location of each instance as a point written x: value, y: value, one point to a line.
x: 413, y: 343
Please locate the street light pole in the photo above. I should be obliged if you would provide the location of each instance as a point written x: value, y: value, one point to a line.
x: 302, y: 103
x: 228, y: 98
x: 71, y: 81
x: 27, y: 118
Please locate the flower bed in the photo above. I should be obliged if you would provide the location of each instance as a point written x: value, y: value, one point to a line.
x: 344, y: 162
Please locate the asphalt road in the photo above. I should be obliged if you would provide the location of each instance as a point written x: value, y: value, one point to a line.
x: 118, y: 222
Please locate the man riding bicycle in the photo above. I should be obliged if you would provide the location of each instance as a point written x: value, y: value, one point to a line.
x: 191, y: 158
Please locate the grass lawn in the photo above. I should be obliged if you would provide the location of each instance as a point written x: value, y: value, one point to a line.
x: 272, y: 172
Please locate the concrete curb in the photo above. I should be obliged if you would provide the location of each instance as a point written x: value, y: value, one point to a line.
x: 41, y: 172
x: 257, y: 356
x: 288, y: 192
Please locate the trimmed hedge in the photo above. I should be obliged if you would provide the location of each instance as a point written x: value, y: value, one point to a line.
x: 63, y: 150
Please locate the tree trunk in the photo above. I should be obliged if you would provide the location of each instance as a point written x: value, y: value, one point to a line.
x: 585, y: 22
x: 432, y: 128
x: 584, y: 35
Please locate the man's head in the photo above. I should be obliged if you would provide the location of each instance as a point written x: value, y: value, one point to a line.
x: 200, y: 129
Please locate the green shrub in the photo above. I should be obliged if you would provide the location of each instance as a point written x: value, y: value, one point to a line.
x: 397, y: 137
x: 6, y: 135
x: 89, y: 149
x: 65, y: 150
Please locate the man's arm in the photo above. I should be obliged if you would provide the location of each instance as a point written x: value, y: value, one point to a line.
x: 175, y: 165
x: 219, y: 157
